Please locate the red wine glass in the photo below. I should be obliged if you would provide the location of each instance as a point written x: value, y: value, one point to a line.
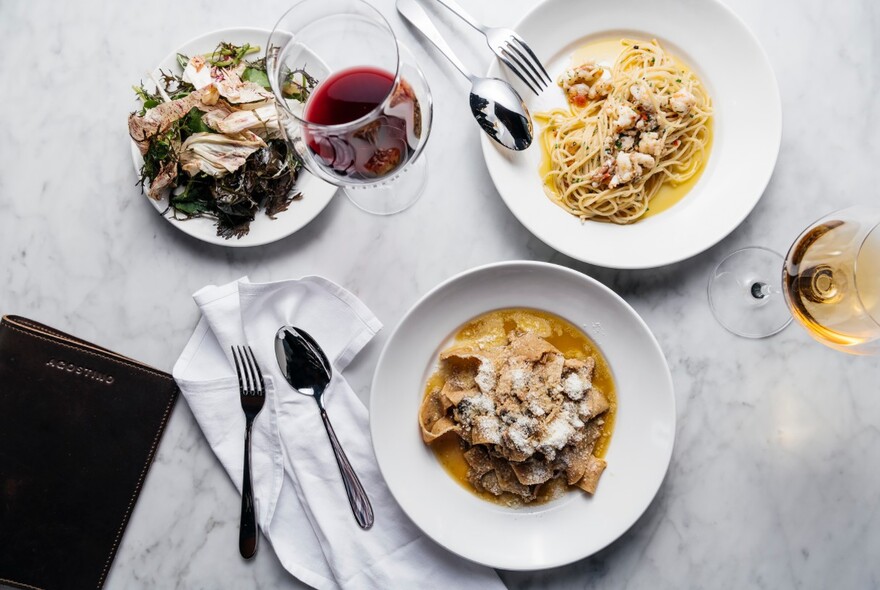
x: 353, y: 104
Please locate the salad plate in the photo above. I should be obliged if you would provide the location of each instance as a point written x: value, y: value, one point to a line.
x: 315, y: 193
x: 745, y: 139
x: 566, y: 528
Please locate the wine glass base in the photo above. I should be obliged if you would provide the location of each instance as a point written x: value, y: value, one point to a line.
x: 392, y: 196
x: 745, y: 295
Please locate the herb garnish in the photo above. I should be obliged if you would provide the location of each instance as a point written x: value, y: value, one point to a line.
x: 163, y: 148
x: 229, y: 55
x: 173, y: 85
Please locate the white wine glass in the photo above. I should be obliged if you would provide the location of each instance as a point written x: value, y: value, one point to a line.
x: 829, y: 282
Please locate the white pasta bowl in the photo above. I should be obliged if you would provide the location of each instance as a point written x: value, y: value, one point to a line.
x: 568, y: 528
x: 747, y: 128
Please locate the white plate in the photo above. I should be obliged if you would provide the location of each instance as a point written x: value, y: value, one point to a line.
x: 263, y: 230
x: 575, y: 525
x: 747, y: 128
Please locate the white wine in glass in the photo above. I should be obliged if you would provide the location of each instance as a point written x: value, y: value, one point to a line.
x: 830, y: 283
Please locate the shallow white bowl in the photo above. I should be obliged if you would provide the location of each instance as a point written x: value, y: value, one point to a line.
x: 263, y: 230
x: 575, y: 525
x: 713, y: 41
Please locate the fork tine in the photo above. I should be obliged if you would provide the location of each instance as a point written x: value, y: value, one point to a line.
x: 513, y: 69
x: 237, y: 370
x: 261, y: 390
x: 247, y: 371
x: 522, y: 68
x: 522, y: 43
x: 531, y: 67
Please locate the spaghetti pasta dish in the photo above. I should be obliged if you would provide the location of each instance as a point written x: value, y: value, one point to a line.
x: 629, y: 129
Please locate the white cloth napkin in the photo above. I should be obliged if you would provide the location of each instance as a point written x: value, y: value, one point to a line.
x: 302, y: 508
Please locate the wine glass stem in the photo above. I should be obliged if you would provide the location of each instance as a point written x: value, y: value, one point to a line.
x: 760, y: 290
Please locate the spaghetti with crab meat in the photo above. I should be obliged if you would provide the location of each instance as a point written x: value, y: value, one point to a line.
x: 628, y: 130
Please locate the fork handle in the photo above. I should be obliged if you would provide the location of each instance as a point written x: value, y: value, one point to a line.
x: 247, y: 532
x: 357, y: 496
x: 461, y: 13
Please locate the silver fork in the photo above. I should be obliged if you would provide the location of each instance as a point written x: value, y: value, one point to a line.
x: 510, y: 48
x: 253, y: 393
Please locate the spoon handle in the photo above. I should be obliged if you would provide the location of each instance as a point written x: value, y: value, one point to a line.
x: 357, y: 497
x: 416, y: 15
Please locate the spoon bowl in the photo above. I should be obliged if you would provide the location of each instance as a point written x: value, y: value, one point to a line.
x: 302, y: 362
x: 501, y: 112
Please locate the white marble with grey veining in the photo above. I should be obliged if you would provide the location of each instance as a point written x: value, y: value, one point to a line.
x: 774, y: 480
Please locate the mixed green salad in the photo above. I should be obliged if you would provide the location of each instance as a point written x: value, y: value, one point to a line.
x: 211, y: 139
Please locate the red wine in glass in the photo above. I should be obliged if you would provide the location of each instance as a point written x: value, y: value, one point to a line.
x: 378, y: 146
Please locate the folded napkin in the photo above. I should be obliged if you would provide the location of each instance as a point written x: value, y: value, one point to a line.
x: 302, y: 508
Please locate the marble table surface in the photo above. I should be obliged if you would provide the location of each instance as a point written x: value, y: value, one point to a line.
x: 774, y: 480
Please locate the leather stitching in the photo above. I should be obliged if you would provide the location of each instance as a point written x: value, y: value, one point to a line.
x: 19, y: 584
x: 137, y: 488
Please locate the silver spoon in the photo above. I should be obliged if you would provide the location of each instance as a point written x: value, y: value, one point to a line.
x: 306, y: 368
x: 496, y: 106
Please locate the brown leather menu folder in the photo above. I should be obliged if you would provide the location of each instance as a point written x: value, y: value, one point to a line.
x: 79, y: 426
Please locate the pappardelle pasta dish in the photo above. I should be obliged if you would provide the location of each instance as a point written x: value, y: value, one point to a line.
x: 630, y: 128
x: 520, y: 408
